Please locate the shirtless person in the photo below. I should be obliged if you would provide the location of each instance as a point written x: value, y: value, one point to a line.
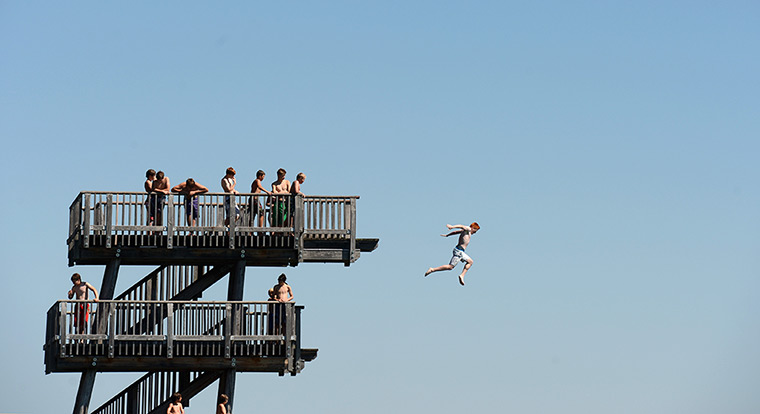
x: 295, y: 188
x: 255, y: 204
x: 160, y: 187
x: 282, y: 187
x: 464, y: 233
x: 150, y: 202
x: 221, y: 404
x: 282, y: 293
x: 81, y: 310
x: 228, y: 185
x: 175, y: 404
x: 190, y: 189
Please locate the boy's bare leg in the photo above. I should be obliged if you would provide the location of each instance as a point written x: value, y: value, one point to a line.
x: 466, y: 268
x: 438, y: 269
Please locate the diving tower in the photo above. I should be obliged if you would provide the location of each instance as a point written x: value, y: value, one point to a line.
x: 160, y: 325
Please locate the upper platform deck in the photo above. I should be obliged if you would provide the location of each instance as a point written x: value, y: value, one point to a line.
x: 150, y: 229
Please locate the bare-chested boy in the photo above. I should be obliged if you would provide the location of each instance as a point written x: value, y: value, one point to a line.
x: 190, y: 189
x: 150, y: 202
x: 257, y: 187
x: 295, y: 187
x: 228, y: 185
x: 459, y: 255
x: 81, y: 310
x: 221, y: 404
x: 282, y: 187
x: 159, y: 189
x: 282, y: 293
x: 175, y: 404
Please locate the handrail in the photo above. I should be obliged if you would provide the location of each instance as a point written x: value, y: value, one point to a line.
x: 158, y: 327
x: 149, y: 216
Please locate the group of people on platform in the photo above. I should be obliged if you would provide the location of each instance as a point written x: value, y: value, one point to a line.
x: 175, y: 404
x: 157, y: 186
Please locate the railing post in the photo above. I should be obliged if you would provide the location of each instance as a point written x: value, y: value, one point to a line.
x: 290, y: 335
x: 169, y: 221
x: 86, y: 229
x: 62, y: 328
x: 298, y: 225
x: 352, y: 230
x: 109, y: 216
x: 227, y: 330
x: 169, y: 330
x: 111, y: 307
x: 232, y: 205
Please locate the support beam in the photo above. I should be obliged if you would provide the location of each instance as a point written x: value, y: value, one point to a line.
x: 237, y: 281
x: 227, y: 387
x: 109, y: 279
x: 86, y: 383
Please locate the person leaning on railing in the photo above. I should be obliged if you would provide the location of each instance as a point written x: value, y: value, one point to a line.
x: 190, y: 189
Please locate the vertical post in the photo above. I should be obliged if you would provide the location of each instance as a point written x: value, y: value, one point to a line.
x: 227, y: 387
x: 169, y: 330
x: 352, y: 229
x: 86, y: 382
x: 62, y: 339
x: 109, y: 217
x: 111, y: 328
x: 290, y: 335
x: 169, y: 217
x: 86, y: 225
x: 298, y: 225
x: 232, y: 217
x: 132, y: 400
x: 237, y: 281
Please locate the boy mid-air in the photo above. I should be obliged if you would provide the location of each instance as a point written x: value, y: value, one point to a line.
x: 464, y: 233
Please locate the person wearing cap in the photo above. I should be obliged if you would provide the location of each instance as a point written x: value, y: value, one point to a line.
x: 459, y: 255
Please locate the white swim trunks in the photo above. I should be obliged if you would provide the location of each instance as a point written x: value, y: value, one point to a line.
x: 459, y: 256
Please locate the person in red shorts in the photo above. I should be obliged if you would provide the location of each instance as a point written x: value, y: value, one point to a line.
x: 81, y: 310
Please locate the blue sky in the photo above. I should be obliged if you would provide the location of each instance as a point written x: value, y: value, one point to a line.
x: 608, y: 149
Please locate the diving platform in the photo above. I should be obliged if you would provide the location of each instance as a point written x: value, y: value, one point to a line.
x: 143, y: 229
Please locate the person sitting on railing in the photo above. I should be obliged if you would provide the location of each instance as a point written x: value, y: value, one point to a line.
x: 190, y: 189
x: 280, y: 187
x: 81, y: 310
x: 228, y: 185
x: 254, y: 203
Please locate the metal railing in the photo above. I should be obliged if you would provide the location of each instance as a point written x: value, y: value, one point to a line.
x: 169, y: 329
x: 148, y: 217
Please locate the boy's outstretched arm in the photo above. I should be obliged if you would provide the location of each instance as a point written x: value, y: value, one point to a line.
x: 452, y: 233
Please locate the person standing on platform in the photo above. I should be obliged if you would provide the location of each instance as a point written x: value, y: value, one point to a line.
x: 280, y: 206
x: 459, y: 255
x: 255, y: 204
x: 150, y: 203
x: 282, y: 293
x: 190, y: 189
x: 160, y: 189
x: 228, y: 185
x: 81, y: 310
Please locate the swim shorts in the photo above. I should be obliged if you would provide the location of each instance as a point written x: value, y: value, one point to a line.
x: 459, y: 256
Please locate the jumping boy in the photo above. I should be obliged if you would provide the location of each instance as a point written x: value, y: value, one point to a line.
x: 459, y: 255
x: 81, y: 310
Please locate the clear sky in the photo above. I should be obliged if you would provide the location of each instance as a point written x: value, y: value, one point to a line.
x: 609, y: 151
